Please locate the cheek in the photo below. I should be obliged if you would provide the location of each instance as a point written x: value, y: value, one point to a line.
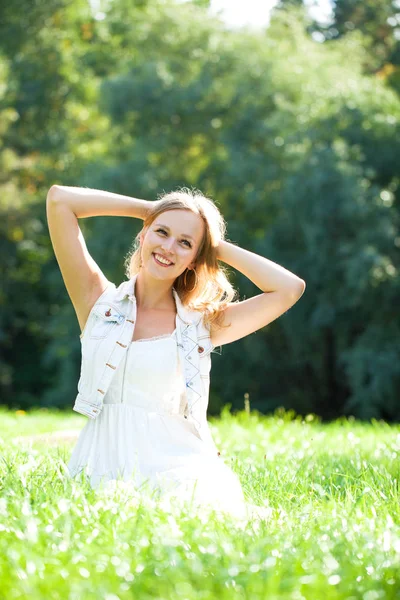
x: 150, y: 241
x: 186, y: 254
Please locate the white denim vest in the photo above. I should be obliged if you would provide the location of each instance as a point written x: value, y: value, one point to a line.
x: 105, y: 338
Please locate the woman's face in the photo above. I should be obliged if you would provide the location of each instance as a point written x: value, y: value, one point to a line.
x: 174, y: 235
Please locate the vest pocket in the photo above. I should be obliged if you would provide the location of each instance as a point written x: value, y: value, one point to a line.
x: 204, y: 346
x: 105, y: 318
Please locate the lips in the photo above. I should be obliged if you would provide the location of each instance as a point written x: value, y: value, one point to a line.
x: 154, y: 254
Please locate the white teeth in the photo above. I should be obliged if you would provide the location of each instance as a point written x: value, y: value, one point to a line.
x: 165, y: 262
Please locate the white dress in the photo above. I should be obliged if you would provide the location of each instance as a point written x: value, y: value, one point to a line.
x: 142, y: 436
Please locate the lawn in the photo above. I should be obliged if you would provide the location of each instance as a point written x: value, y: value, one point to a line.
x: 331, y: 524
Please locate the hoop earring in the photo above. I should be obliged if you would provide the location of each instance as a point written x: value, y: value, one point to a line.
x: 184, y: 278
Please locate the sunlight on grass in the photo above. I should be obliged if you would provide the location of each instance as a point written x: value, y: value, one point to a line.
x: 330, y: 528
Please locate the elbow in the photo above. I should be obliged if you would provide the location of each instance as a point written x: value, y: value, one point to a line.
x: 53, y: 193
x: 301, y: 287
x: 297, y: 289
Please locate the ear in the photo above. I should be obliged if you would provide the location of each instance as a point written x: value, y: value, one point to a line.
x: 142, y: 234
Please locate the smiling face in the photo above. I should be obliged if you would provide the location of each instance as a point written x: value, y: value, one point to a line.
x: 176, y: 236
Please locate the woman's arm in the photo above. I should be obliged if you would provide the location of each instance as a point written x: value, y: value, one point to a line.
x: 281, y: 289
x: 83, y: 278
x: 264, y: 273
x: 86, y: 202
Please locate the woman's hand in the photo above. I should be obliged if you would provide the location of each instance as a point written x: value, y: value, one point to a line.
x: 151, y: 206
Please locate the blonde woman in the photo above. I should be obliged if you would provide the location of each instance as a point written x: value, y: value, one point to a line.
x: 147, y: 343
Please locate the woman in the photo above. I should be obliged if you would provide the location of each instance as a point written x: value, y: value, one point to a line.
x: 146, y: 345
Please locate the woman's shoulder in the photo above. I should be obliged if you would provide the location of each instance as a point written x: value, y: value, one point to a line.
x: 201, y: 321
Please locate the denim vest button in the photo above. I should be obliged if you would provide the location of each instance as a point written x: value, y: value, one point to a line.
x: 108, y: 313
x: 200, y: 349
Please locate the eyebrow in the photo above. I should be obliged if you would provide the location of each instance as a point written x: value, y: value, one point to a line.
x: 166, y: 227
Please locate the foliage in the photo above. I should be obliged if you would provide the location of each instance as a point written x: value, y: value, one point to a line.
x: 296, y: 140
x: 378, y: 23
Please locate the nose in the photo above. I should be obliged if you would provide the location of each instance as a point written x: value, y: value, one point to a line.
x: 167, y: 245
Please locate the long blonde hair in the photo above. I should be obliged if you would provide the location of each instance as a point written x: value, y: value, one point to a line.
x: 208, y: 290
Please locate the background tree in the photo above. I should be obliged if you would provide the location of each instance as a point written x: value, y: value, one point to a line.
x: 294, y: 139
x: 378, y: 23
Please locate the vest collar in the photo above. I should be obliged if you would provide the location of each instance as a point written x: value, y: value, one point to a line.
x: 127, y: 290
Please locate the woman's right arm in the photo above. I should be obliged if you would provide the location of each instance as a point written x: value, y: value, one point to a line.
x: 83, y: 278
x: 85, y: 202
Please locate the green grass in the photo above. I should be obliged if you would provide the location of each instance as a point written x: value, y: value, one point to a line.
x: 331, y: 527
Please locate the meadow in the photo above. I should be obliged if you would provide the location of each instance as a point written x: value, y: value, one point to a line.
x: 330, y: 527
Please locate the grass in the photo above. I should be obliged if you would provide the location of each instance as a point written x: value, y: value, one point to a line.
x: 331, y: 529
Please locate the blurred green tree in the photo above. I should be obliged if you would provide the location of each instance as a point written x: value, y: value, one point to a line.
x: 295, y: 142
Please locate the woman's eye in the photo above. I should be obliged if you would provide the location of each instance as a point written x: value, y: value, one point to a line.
x: 186, y: 241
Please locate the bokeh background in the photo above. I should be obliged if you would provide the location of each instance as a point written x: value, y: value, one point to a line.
x: 287, y: 116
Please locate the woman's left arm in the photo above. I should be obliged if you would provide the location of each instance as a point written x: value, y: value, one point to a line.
x: 280, y: 290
